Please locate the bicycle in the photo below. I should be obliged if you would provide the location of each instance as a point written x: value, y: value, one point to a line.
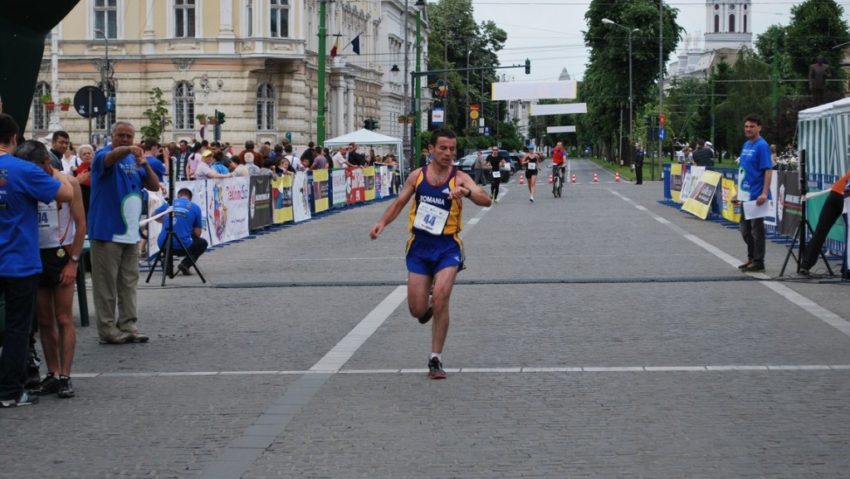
x: 557, y: 180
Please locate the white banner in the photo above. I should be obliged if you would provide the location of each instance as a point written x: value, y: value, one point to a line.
x: 770, y: 219
x: 561, y: 129
x: 339, y: 196
x: 386, y: 181
x: 227, y: 209
x: 300, y: 197
x: 535, y: 90
x: 558, y: 109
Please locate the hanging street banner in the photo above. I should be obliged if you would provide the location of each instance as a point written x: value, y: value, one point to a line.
x: 729, y: 192
x: 282, y: 199
x: 300, y: 197
x: 535, y: 90
x: 561, y: 129
x: 227, y: 209
x: 699, y: 201
x: 438, y: 115
x: 558, y: 109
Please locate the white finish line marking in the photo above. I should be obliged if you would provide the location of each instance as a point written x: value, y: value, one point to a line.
x: 789, y: 294
x: 502, y: 370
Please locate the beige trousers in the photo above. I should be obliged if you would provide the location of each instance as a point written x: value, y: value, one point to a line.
x: 114, y: 276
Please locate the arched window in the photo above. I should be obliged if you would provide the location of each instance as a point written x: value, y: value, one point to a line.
x: 105, y: 122
x: 184, y: 106
x: 279, y: 18
x: 265, y: 107
x: 717, y: 24
x: 745, y: 24
x: 39, y: 112
x: 732, y: 23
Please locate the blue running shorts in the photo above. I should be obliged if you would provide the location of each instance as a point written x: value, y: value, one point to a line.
x: 428, y: 254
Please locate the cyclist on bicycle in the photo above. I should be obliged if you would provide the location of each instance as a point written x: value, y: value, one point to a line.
x: 559, y: 160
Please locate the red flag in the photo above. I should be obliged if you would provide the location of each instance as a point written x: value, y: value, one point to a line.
x: 335, y: 48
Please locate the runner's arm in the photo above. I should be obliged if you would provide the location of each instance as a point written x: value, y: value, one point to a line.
x: 467, y: 187
x: 397, y: 206
x: 78, y: 216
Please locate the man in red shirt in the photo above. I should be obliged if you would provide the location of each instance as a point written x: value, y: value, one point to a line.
x: 559, y: 158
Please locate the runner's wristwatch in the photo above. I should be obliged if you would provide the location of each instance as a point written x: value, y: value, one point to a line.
x: 75, y: 259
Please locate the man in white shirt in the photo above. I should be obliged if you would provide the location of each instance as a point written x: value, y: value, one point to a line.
x: 339, y: 158
x: 204, y: 170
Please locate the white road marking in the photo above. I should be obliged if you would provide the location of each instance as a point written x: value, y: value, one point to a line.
x: 473, y: 221
x: 475, y: 370
x: 789, y: 294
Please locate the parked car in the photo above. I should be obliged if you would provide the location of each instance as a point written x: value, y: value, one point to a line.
x: 466, y: 163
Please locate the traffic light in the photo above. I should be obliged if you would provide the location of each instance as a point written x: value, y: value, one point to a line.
x: 661, y: 120
x: 370, y: 124
x: 219, y: 117
x: 527, y: 66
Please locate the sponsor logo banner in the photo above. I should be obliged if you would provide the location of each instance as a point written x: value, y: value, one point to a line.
x: 729, y: 194
x: 227, y: 209
x: 260, y: 202
x: 369, y: 181
x: 355, y: 185
x: 700, y: 199
x: 282, y: 199
x: 339, y: 195
x: 300, y: 197
x: 321, y: 191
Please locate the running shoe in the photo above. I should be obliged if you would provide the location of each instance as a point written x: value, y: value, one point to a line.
x: 66, y: 389
x: 427, y: 316
x: 25, y: 399
x: 746, y: 265
x: 435, y: 369
x: 48, y: 385
x: 531, y: 199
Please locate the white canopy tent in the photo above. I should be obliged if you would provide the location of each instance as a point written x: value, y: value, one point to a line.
x: 369, y: 137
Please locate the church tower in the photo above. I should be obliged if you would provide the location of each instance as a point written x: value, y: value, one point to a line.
x: 728, y: 24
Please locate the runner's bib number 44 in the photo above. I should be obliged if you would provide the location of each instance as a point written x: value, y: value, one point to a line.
x: 430, y: 219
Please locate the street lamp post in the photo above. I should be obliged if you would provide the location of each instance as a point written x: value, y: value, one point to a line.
x: 631, y: 96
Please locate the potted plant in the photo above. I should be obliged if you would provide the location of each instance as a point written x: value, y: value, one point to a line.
x: 47, y: 101
x: 402, y: 119
x: 211, y: 120
x: 65, y: 104
x: 202, y: 119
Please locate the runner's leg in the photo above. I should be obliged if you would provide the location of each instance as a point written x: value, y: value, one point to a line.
x: 418, y: 288
x: 444, y: 281
x: 63, y: 299
x: 47, y: 329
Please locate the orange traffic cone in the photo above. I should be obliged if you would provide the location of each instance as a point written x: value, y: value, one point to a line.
x: 551, y: 180
x: 573, y: 179
x: 617, y: 177
x: 596, y: 178
x: 521, y: 179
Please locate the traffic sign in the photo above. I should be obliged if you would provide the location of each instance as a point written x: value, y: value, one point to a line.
x: 661, y: 133
x: 90, y: 102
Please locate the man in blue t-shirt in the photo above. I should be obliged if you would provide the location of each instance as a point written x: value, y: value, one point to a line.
x: 118, y: 173
x: 151, y: 147
x: 188, y: 226
x: 22, y: 186
x: 754, y: 185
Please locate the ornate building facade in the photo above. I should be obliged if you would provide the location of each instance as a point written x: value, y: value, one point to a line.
x: 254, y: 60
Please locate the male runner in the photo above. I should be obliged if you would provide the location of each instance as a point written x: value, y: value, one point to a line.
x: 434, y: 250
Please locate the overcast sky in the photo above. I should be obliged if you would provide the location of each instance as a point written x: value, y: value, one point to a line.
x: 549, y: 32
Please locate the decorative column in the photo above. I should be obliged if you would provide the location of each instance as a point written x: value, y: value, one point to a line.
x: 148, y: 36
x: 349, y: 86
x: 338, y: 104
x: 226, y: 37
x: 55, y: 124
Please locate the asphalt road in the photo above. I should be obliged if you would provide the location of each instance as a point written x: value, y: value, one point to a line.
x: 596, y: 335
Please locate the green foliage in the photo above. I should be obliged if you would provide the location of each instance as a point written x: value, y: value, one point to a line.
x: 604, y: 87
x: 158, y: 116
x: 743, y: 98
x: 816, y: 28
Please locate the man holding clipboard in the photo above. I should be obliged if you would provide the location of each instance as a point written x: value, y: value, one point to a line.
x: 754, y: 173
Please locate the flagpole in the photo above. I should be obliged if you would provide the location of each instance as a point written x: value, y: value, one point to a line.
x: 404, y: 132
x: 320, y: 108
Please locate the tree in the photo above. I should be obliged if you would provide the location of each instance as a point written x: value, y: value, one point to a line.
x: 604, y: 89
x: 158, y: 116
x: 817, y: 27
x: 748, y: 92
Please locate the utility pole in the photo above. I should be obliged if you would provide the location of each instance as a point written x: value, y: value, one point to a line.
x: 774, y: 78
x: 660, y: 74
x: 404, y: 132
x: 320, y: 107
x: 417, y: 84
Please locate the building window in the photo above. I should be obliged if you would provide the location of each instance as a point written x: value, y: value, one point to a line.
x: 717, y: 7
x: 249, y: 18
x: 105, y: 122
x: 731, y: 23
x: 717, y: 24
x: 745, y: 25
x: 39, y: 112
x: 105, y: 19
x: 265, y: 107
x: 184, y: 106
x: 279, y: 18
x: 184, y: 18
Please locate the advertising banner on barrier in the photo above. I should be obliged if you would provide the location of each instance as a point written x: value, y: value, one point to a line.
x: 321, y: 191
x: 300, y: 197
x: 260, y: 202
x: 676, y: 182
x: 199, y: 197
x: 770, y: 220
x: 789, y: 204
x: 729, y: 193
x: 282, y: 199
x: 379, y: 180
x: 227, y: 209
x: 369, y: 181
x: 814, y: 206
x: 699, y: 202
x: 689, y: 182
x: 155, y: 200
x: 355, y: 185
x: 339, y: 195
x: 386, y: 181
